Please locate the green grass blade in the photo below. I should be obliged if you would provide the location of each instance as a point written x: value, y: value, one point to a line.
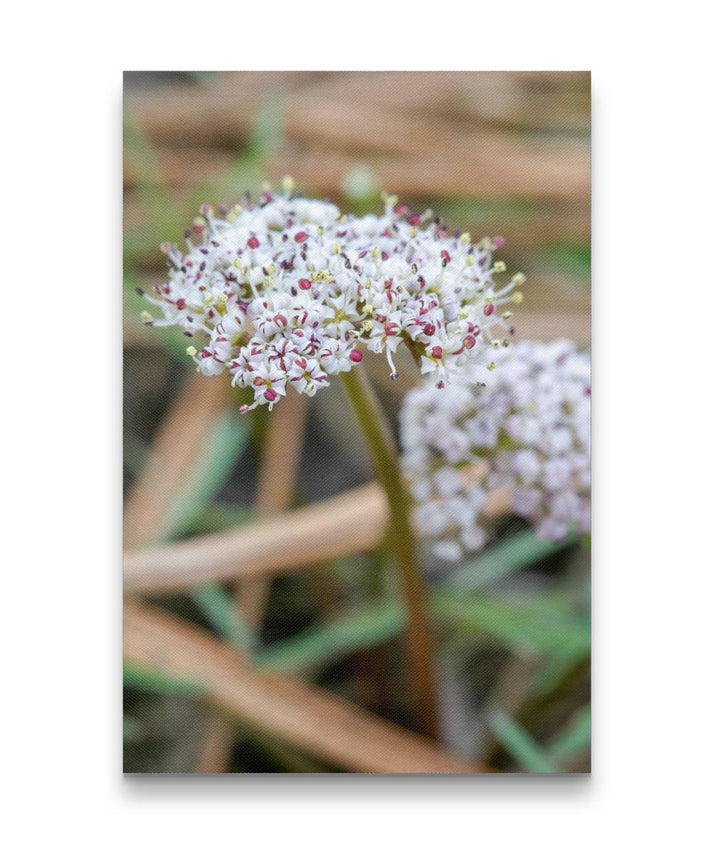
x: 522, y: 626
x: 223, y: 615
x: 223, y: 446
x: 575, y: 737
x: 521, y: 745
x: 219, y: 516
x: 268, y: 130
x: 510, y: 555
x: 355, y: 630
x: 153, y: 680
x: 141, y: 163
x: 132, y: 729
x: 519, y: 626
x: 555, y: 671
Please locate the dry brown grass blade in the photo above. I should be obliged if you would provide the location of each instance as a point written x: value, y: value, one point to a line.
x: 174, y: 449
x: 548, y: 100
x: 215, y: 744
x: 222, y: 111
x: 308, y: 717
x: 219, y: 113
x: 346, y: 524
x: 438, y: 147
x: 478, y: 168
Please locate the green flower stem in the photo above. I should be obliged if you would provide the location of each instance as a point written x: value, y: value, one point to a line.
x: 385, y: 460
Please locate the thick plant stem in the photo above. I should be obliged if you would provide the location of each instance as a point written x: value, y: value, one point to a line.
x: 385, y: 460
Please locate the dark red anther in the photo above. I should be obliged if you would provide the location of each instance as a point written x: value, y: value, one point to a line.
x: 436, y: 352
x: 489, y: 309
x: 181, y: 304
x: 429, y: 329
x: 445, y: 256
x: 304, y: 284
x: 300, y: 237
x: 253, y: 243
x: 469, y: 342
x: 414, y: 219
x: 270, y: 394
x: 355, y: 355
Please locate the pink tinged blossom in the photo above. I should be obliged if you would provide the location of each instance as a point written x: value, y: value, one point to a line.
x: 261, y: 284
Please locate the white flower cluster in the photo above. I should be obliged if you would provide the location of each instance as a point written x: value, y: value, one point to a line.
x: 282, y: 292
x: 525, y: 423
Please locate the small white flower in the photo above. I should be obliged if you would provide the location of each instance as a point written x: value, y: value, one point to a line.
x: 527, y: 420
x: 286, y: 291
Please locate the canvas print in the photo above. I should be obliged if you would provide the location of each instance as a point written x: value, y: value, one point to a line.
x: 357, y: 422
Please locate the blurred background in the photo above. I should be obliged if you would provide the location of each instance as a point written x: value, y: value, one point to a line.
x: 493, y: 153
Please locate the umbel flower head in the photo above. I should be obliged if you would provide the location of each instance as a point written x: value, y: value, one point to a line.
x: 287, y: 292
x: 525, y: 423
